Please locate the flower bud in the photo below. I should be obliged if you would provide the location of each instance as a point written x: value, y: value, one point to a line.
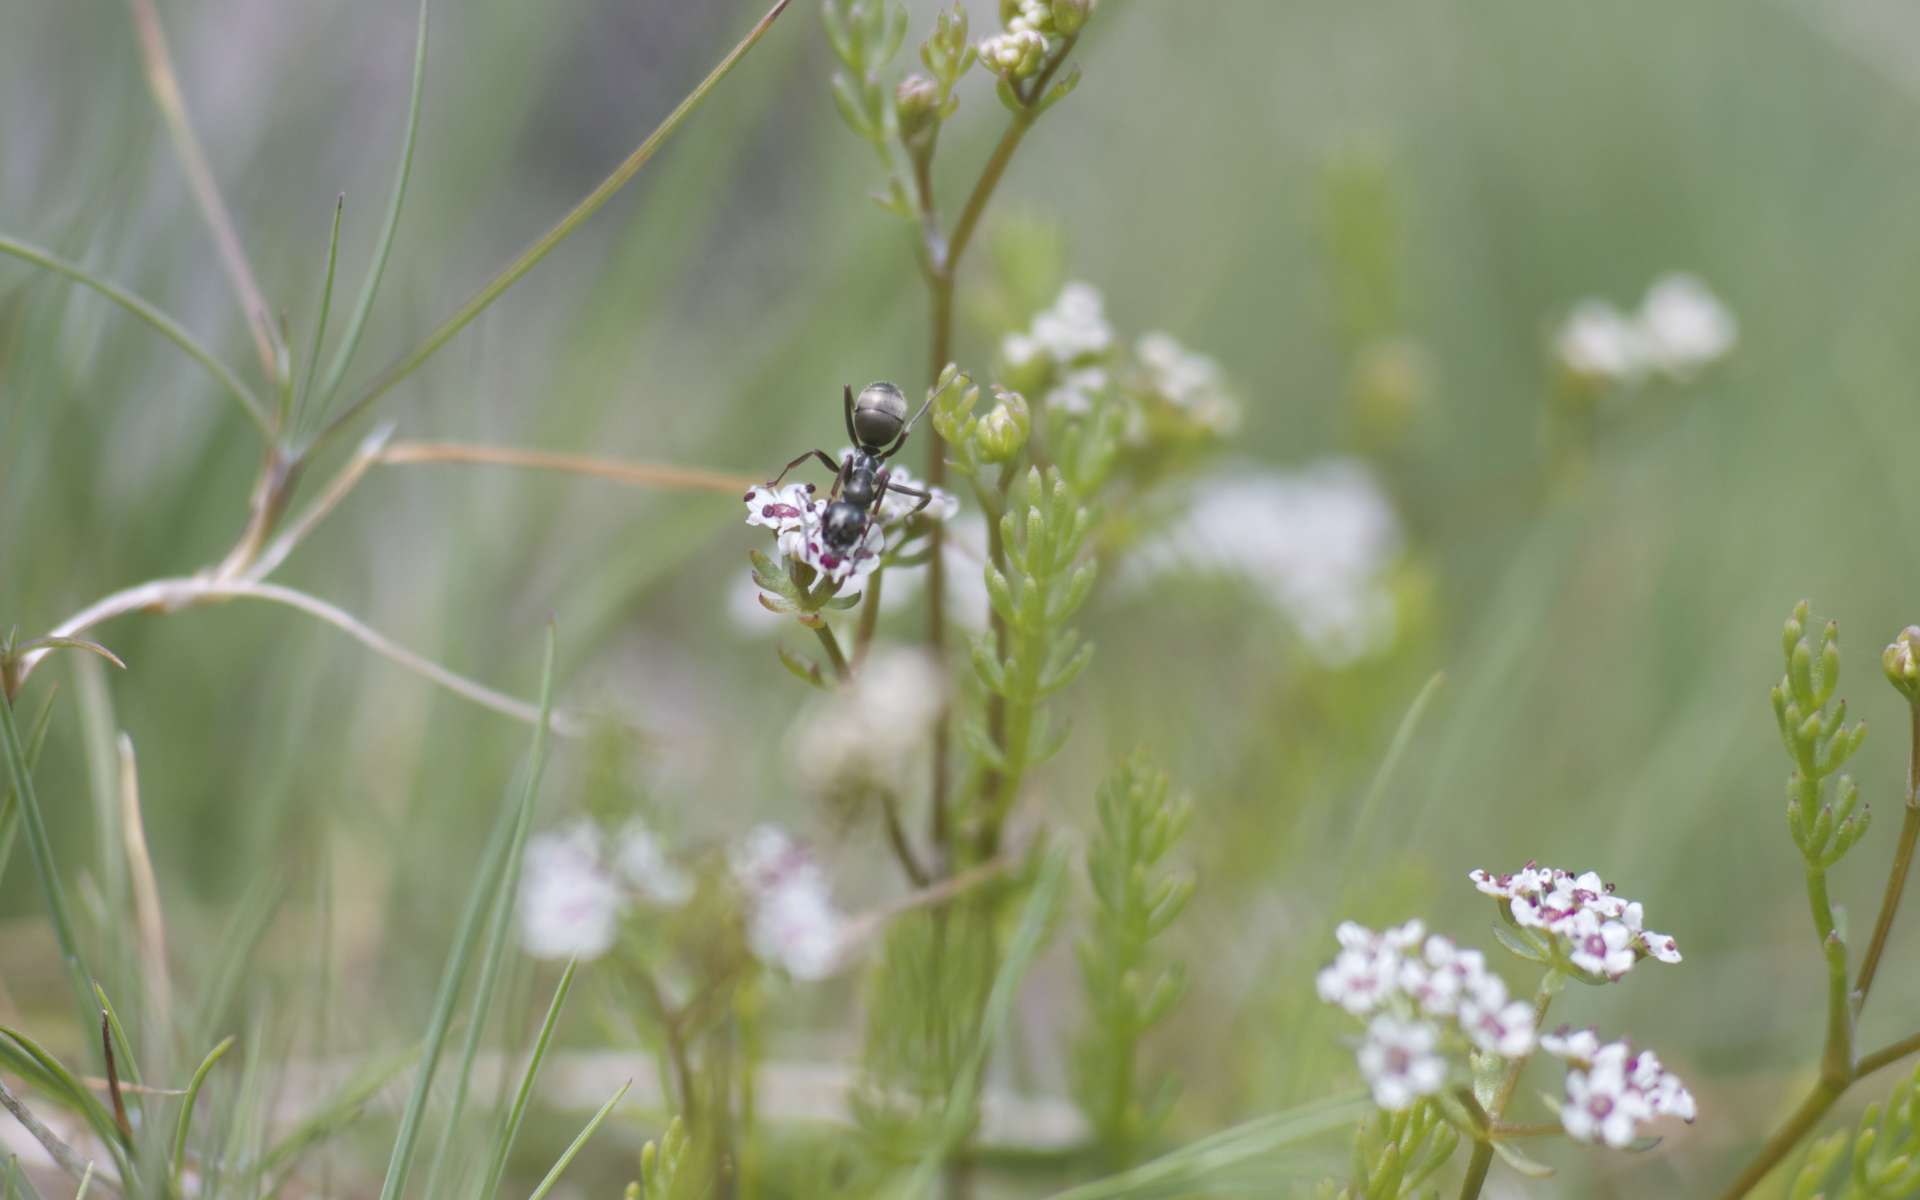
x: 1070, y: 16
x: 1002, y: 433
x: 917, y: 101
x: 1901, y: 661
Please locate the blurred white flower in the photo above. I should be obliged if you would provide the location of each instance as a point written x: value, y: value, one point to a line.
x: 1075, y: 328
x: 1399, y: 1061
x: 1685, y: 326
x: 872, y: 729
x: 1075, y: 393
x: 1317, y: 544
x: 964, y: 550
x: 1192, y: 383
x: 1599, y: 342
x: 1574, y: 1045
x: 569, y: 903
x: 791, y: 923
x: 1505, y: 1029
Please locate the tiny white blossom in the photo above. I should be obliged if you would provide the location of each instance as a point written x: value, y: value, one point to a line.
x: 1074, y: 394
x: 781, y: 508
x: 1400, y: 1063
x: 1075, y: 328
x: 1599, y: 342
x: 1602, y: 1107
x: 792, y: 923
x: 1191, y: 382
x: 1684, y: 325
x: 569, y: 904
x: 1601, y: 947
x: 838, y: 741
x: 1317, y: 544
x: 1359, y: 980
x: 1502, y: 1029
x: 1574, y: 1045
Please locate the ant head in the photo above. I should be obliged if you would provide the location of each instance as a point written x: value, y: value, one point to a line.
x: 879, y: 415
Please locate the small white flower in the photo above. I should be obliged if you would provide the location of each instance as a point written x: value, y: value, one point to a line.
x: 1573, y: 1045
x: 1190, y: 382
x: 1659, y: 946
x: 1601, y: 1106
x: 1074, y: 394
x: 1316, y: 544
x: 1684, y: 325
x: 638, y: 856
x: 837, y: 741
x: 1601, y: 947
x: 1504, y: 1029
x: 792, y: 923
x: 569, y: 905
x: 1399, y: 1061
x: 1075, y: 329
x: 1599, y: 342
x: 1359, y: 980
x: 781, y: 508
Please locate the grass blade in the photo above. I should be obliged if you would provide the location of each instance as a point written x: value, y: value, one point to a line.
x: 1027, y: 936
x: 185, y: 1124
x: 169, y: 328
x: 503, y: 1145
x: 356, y: 325
x: 305, y: 393
x: 68, y: 1091
x: 45, y: 866
x: 553, y: 1176
x: 493, y: 869
x: 1180, y: 1172
x: 9, y: 802
x: 511, y: 273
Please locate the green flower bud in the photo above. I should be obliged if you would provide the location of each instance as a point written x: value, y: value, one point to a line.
x: 917, y: 100
x: 1002, y: 433
x: 1070, y: 16
x: 1901, y: 662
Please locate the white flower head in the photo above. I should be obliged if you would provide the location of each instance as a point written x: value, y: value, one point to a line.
x: 842, y: 737
x: 1685, y: 326
x: 1602, y: 932
x: 1074, y: 330
x: 1317, y: 544
x: 1502, y: 1029
x: 1190, y: 382
x: 1598, y: 342
x: 1613, y: 1091
x: 792, y: 923
x: 1400, y: 1061
x: 569, y: 903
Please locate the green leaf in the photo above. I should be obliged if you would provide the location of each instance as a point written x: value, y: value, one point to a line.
x: 553, y: 1176
x: 185, y: 1123
x: 503, y: 1144
x: 1511, y: 1155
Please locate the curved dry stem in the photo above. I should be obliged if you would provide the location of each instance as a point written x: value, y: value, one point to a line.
x: 636, y: 474
x: 171, y: 595
x: 158, y: 62
x: 58, y: 1150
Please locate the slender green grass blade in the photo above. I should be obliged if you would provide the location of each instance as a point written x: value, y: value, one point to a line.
x: 553, y: 1176
x: 499, y: 924
x: 86, y: 1183
x: 1358, y: 840
x: 185, y: 1124
x: 45, y: 865
x: 67, y: 1090
x: 10, y: 804
x: 305, y: 394
x: 339, y: 1111
x: 493, y: 869
x: 169, y: 328
x: 528, y: 258
x: 1185, y: 1171
x: 503, y: 1145
x: 99, y: 735
x: 356, y: 324
x: 20, y: 1184
x: 1035, y: 917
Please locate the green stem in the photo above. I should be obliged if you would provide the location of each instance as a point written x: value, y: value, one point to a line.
x: 1477, y: 1167
x: 869, y: 618
x: 1836, y: 1062
x: 1897, y: 876
x: 1785, y: 1139
x: 1886, y: 1056
x: 824, y: 632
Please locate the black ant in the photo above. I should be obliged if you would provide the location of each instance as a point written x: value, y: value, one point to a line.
x: 877, y: 422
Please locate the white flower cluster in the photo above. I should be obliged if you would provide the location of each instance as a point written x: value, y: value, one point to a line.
x: 575, y: 887
x: 1612, y: 1090
x: 792, y: 923
x: 1680, y: 329
x: 1066, y: 346
x: 1602, y: 932
x: 1192, y: 383
x: 1423, y: 996
x: 1317, y: 544
x: 796, y: 513
x: 838, y: 742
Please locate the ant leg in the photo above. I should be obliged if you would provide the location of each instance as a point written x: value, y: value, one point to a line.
x: 926, y: 497
x: 846, y: 391
x: 905, y: 430
x: 822, y: 455
x: 839, y: 479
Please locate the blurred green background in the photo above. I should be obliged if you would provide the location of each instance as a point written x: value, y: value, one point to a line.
x: 1607, y: 644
